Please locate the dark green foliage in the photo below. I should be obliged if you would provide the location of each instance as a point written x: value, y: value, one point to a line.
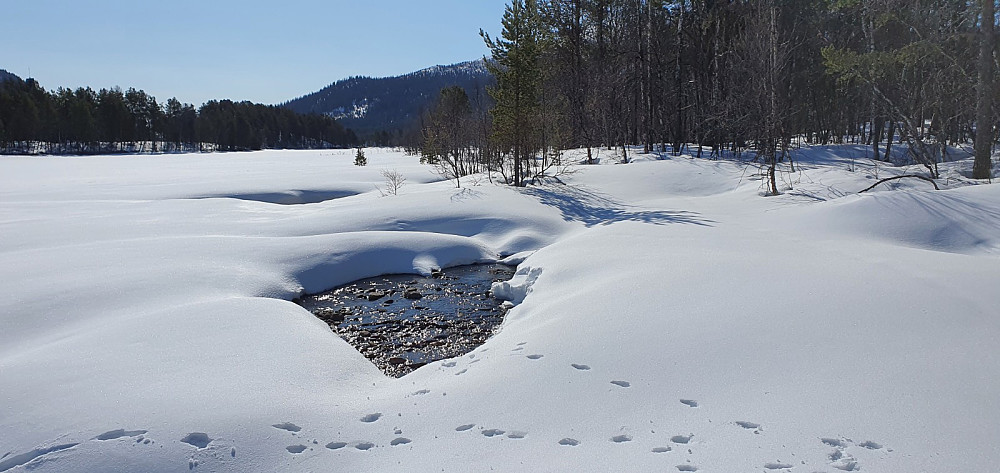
x: 748, y: 75
x: 360, y: 159
x: 518, y: 72
x: 83, y: 121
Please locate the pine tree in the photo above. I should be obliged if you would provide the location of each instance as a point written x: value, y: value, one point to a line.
x: 516, y: 67
x: 360, y: 159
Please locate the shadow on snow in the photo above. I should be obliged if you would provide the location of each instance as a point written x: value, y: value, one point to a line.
x: 592, y: 208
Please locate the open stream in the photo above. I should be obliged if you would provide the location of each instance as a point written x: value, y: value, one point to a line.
x: 402, y: 322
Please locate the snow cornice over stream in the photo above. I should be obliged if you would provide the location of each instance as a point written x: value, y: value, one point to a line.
x: 668, y: 317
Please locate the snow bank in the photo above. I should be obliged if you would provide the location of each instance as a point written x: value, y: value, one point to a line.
x: 668, y: 318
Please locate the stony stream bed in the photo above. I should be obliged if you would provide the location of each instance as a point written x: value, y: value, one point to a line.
x: 402, y: 322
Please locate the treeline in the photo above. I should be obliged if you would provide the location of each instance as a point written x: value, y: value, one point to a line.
x: 84, y: 121
x: 742, y: 75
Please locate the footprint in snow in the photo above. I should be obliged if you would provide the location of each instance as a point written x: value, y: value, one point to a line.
x: 687, y: 468
x: 422, y: 392
x: 449, y: 364
x: 296, y: 449
x: 8, y: 462
x: 623, y: 384
x: 621, y: 438
x: 569, y: 442
x: 870, y: 445
x: 777, y: 466
x: 662, y: 449
x: 535, y: 357
x: 400, y: 441
x: 463, y: 428
x: 371, y: 417
x: 464, y: 370
x: 847, y: 465
x: 581, y: 367
x: 197, y: 439
x: 517, y: 434
x: 336, y: 445
x: 681, y: 438
x: 287, y: 426
x: 834, y: 442
x: 117, y: 434
x: 365, y: 446
x: 689, y: 402
x: 493, y: 432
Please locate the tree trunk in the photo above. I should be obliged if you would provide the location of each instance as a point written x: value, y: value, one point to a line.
x: 679, y: 84
x: 983, y: 167
x: 888, y: 140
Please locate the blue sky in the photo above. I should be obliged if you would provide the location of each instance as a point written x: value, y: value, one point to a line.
x: 264, y: 51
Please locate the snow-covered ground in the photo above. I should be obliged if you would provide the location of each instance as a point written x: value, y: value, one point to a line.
x: 673, y: 319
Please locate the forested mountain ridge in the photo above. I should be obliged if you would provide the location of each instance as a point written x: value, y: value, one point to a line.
x: 7, y: 76
x: 382, y: 109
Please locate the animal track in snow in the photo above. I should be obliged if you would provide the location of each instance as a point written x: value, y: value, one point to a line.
x: 518, y: 349
x: 463, y: 428
x: 296, y: 449
x: 662, y: 449
x: 400, y: 441
x: 839, y: 459
x: 493, y: 432
x: 287, y: 426
x: 748, y: 425
x: 368, y: 419
x: 569, y: 442
x: 365, y: 446
x: 535, y: 357
x: 449, y: 364
x: 117, y: 434
x: 8, y: 463
x: 422, y: 392
x: 689, y: 402
x: 870, y: 445
x: 197, y: 439
x: 621, y: 438
x: 777, y: 466
x: 623, y: 384
x: 847, y: 465
x: 834, y: 442
x: 687, y: 468
x: 336, y: 445
x: 517, y: 434
x: 581, y: 367
x: 465, y: 370
x: 681, y: 438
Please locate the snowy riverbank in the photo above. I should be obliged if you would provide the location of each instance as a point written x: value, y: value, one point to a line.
x: 674, y: 319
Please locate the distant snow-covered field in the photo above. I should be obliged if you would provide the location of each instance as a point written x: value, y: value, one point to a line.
x: 673, y: 319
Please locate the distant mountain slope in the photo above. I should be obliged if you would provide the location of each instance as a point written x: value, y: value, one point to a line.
x: 6, y: 76
x: 371, y: 105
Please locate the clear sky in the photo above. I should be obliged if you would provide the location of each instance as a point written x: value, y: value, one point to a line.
x: 263, y: 51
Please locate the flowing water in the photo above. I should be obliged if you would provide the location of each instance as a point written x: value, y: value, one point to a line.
x: 402, y: 322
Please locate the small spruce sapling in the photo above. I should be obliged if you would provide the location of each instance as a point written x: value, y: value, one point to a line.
x: 360, y: 159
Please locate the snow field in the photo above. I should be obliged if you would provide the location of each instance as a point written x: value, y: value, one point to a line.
x: 669, y: 318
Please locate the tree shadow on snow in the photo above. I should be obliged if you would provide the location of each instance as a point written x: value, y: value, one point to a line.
x: 592, y: 208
